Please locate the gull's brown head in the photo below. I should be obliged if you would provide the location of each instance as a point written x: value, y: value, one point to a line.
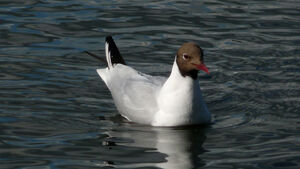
x: 190, y: 60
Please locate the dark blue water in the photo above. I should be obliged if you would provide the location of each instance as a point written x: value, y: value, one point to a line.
x: 55, y: 112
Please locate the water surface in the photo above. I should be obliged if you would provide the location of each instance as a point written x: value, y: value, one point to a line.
x: 55, y: 112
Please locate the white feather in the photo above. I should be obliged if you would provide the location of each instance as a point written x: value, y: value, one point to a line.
x: 156, y: 101
x: 108, y: 56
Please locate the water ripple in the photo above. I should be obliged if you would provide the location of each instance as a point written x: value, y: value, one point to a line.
x: 56, y: 112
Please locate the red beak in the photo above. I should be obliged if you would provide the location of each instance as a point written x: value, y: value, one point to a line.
x: 202, y: 66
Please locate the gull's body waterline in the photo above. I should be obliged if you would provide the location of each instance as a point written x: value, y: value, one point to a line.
x: 154, y: 100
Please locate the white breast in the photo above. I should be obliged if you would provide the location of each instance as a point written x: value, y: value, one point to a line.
x: 180, y: 102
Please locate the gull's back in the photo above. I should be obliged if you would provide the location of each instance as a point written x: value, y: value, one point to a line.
x: 135, y: 94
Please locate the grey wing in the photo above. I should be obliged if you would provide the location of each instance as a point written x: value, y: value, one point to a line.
x: 138, y: 100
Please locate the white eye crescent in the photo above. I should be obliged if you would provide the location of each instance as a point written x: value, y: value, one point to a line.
x: 185, y: 56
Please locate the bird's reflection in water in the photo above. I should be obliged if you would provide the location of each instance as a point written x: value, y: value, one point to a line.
x: 180, y: 146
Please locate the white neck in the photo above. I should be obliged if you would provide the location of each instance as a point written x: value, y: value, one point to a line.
x: 177, y: 81
x: 179, y: 100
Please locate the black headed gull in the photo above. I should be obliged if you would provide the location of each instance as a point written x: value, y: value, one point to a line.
x: 153, y: 100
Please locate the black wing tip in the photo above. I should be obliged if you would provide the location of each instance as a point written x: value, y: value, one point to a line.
x: 111, y: 42
x: 109, y: 38
x: 112, y: 47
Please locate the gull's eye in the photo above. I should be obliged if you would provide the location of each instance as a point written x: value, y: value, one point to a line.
x: 185, y: 56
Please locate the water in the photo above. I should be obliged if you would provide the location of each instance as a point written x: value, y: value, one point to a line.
x: 55, y: 112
